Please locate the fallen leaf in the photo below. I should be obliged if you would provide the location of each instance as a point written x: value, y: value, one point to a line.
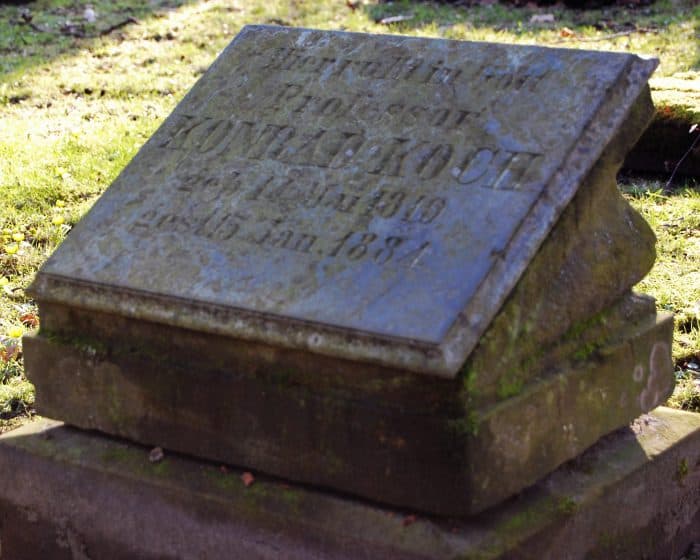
x: 566, y: 32
x: 156, y: 455
x: 352, y: 4
x: 10, y: 349
x: 247, y: 478
x: 30, y: 320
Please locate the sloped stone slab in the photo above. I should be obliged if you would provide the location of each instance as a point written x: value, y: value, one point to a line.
x: 77, y: 495
x: 372, y: 198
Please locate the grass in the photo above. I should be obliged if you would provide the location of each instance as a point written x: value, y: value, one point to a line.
x: 75, y: 109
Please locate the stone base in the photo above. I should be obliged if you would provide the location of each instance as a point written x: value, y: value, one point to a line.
x: 77, y: 495
x: 415, y: 451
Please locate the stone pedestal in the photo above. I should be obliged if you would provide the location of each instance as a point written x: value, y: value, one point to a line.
x: 80, y: 495
x: 415, y: 448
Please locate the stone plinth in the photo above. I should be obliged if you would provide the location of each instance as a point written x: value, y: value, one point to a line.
x: 635, y: 494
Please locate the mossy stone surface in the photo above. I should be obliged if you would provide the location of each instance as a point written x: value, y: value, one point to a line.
x: 598, y: 250
x: 419, y: 444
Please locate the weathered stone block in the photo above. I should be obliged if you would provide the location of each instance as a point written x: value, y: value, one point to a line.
x: 346, y: 253
x: 76, y: 495
x: 418, y: 445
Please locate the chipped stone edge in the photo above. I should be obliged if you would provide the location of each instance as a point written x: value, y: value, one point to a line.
x: 465, y: 332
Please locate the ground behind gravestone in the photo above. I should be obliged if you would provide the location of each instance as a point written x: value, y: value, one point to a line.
x: 83, y: 85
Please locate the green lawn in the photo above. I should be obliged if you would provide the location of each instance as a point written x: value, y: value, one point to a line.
x: 76, y: 103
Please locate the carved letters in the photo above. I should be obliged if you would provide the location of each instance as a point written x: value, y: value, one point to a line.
x: 294, y: 134
x: 394, y: 157
x: 223, y: 208
x: 295, y: 98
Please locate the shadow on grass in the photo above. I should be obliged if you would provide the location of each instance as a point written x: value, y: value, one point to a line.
x: 612, y: 21
x: 412, y: 15
x: 37, y: 32
x: 643, y: 185
x: 696, y: 29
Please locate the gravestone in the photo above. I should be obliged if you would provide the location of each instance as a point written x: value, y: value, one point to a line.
x: 395, y: 267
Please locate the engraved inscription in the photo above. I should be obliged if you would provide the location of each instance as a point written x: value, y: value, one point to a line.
x: 336, y: 149
x: 353, y: 246
x: 406, y: 68
x: 295, y: 98
x: 387, y: 190
x: 392, y: 68
x: 223, y: 208
x: 291, y: 130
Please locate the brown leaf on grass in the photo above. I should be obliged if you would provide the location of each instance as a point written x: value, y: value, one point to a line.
x: 10, y: 349
x: 352, y: 4
x: 30, y: 320
x: 566, y: 32
x: 247, y: 478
